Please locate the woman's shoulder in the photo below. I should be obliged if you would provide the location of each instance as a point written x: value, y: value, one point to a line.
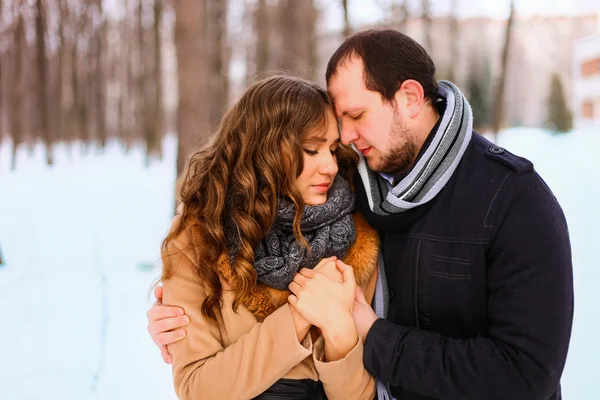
x: 178, y: 253
x: 184, y: 244
x: 364, y: 231
x: 364, y: 253
x: 179, y: 235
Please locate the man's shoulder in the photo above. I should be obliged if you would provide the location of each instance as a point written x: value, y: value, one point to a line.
x: 484, y: 151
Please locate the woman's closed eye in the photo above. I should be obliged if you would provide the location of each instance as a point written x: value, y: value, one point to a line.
x: 315, y: 152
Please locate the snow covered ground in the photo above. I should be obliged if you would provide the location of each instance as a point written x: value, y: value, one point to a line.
x: 81, y: 246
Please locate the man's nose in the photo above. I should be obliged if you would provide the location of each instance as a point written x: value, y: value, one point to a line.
x: 348, y: 133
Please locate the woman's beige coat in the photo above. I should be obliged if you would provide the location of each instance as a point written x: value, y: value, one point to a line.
x: 249, y: 350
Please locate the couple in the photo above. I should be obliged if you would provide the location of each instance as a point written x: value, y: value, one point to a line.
x: 436, y: 265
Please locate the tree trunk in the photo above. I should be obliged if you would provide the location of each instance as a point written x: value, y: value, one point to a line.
x: 190, y: 42
x: 127, y: 94
x: 454, y: 27
x: 3, y: 55
x: 59, y: 126
x: 17, y: 83
x: 158, y: 126
x: 427, y: 43
x: 142, y: 114
x: 296, y: 19
x: 100, y: 79
x: 400, y: 14
x: 347, y: 27
x: 42, y: 69
x: 75, y: 127
x: 218, y: 81
x: 262, y: 37
x: 499, y: 97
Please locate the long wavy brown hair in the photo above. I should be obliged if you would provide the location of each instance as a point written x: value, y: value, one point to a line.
x: 236, y: 180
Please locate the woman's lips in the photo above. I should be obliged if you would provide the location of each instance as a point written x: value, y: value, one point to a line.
x: 322, y: 188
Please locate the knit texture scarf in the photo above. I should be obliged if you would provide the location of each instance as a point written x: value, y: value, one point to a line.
x: 328, y: 228
x: 433, y: 169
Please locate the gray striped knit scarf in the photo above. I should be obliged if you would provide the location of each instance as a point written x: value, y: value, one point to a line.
x: 437, y: 164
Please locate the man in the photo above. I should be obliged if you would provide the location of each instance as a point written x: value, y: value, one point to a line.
x: 475, y: 246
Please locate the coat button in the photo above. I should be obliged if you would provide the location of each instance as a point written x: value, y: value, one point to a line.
x: 392, y: 294
x: 496, y: 150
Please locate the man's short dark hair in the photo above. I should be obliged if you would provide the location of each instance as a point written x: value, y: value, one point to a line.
x: 389, y: 58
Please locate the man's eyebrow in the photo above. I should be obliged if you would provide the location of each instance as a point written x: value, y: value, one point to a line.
x: 351, y: 111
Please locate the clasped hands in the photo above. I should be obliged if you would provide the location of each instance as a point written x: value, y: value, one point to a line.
x: 328, y: 298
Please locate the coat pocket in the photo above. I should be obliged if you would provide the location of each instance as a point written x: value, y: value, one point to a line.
x: 446, y: 295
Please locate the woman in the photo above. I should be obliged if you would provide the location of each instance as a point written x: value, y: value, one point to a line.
x: 261, y: 202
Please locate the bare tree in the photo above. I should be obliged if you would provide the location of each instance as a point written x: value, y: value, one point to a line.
x: 126, y: 108
x: 17, y: 82
x: 347, y: 27
x: 298, y: 41
x: 190, y: 38
x: 219, y: 54
x: 400, y: 13
x: 396, y: 13
x: 3, y: 52
x: 499, y: 97
x: 454, y: 28
x: 262, y: 37
x: 159, y: 120
x: 59, y: 125
x: 142, y: 109
x: 78, y: 114
x: 42, y: 70
x: 427, y: 22
x: 100, y: 81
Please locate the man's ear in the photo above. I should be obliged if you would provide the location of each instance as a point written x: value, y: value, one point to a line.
x: 411, y: 97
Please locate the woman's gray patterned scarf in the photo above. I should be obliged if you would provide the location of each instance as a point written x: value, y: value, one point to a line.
x: 328, y: 228
x: 433, y: 170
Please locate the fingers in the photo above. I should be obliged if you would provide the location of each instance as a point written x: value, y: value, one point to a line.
x: 293, y: 300
x: 166, y: 356
x: 308, y: 273
x: 158, y: 294
x: 159, y: 312
x: 165, y: 338
x: 295, y: 288
x: 300, y: 279
x: 360, y: 296
x: 325, y: 261
x: 347, y: 271
x: 167, y: 324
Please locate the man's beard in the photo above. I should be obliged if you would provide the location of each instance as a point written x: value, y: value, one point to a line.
x: 401, y: 157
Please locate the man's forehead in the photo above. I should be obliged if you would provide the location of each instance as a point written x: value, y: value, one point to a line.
x: 345, y: 102
x: 346, y: 84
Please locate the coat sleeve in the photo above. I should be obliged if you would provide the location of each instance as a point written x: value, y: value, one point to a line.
x: 347, y: 378
x: 202, y: 367
x: 530, y: 311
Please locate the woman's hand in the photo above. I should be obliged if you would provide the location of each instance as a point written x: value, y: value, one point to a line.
x: 327, y: 267
x: 164, y: 323
x: 328, y: 305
